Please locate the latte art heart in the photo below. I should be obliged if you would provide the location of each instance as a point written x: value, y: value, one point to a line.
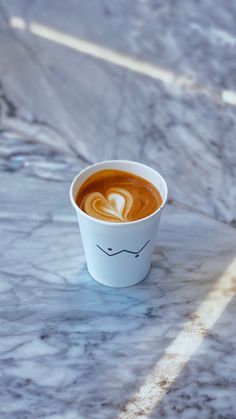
x: 115, y: 206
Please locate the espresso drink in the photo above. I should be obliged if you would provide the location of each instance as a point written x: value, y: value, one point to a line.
x: 118, y: 196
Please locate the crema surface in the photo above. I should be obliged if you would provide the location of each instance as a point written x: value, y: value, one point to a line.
x: 118, y: 196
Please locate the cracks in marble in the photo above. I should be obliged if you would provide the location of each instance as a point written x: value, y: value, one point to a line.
x: 47, y: 271
x: 140, y: 67
x: 9, y: 122
x: 185, y: 206
x: 138, y: 30
x: 92, y: 347
x: 127, y: 134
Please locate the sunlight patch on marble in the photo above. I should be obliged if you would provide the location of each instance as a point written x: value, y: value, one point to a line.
x: 139, y: 66
x: 228, y: 96
x: 183, y: 347
x: 17, y: 23
x: 122, y: 60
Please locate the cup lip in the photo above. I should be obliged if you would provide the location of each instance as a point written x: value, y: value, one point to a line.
x: 110, y: 223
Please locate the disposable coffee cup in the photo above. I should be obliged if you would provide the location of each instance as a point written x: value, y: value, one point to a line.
x: 119, y: 254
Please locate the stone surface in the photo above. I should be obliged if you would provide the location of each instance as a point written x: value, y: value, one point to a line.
x: 70, y: 348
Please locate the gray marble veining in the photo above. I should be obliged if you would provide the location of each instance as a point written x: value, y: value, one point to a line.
x: 69, y: 347
x: 186, y: 136
x: 78, y: 346
x: 193, y: 38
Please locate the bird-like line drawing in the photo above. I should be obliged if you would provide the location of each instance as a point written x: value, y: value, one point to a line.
x: 124, y: 250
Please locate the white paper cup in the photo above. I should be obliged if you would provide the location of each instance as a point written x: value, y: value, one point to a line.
x: 119, y: 254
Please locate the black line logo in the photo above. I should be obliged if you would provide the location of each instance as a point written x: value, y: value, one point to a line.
x: 122, y: 251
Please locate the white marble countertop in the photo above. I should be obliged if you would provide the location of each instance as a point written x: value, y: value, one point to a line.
x: 87, y: 81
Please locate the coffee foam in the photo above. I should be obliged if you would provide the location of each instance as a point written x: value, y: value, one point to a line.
x: 114, y: 207
x: 117, y: 196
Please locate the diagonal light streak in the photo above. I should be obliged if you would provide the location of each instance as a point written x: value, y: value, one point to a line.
x: 148, y: 69
x: 183, y: 348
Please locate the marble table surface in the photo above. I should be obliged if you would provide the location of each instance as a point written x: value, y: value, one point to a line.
x: 82, y: 82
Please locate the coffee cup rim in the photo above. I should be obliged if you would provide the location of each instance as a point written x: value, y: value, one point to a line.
x: 111, y: 223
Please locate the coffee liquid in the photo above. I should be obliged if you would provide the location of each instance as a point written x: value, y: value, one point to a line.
x: 118, y: 196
